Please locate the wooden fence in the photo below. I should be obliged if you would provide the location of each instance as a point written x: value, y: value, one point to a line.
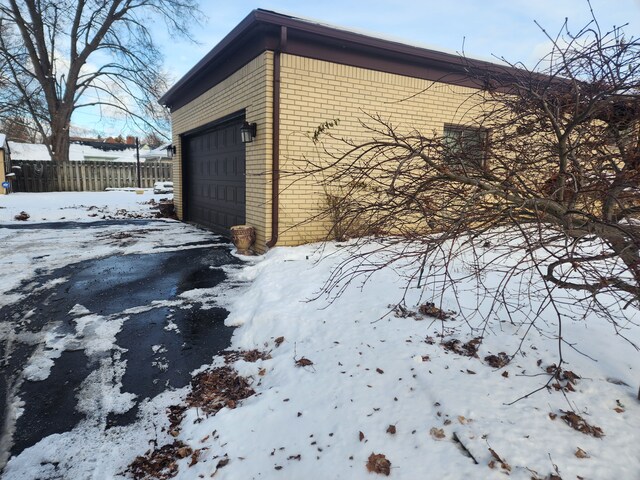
x: 35, y: 176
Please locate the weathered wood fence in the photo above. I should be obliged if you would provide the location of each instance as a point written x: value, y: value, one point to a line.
x: 36, y: 176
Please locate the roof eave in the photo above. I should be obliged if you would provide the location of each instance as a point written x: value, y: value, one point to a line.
x: 238, y: 31
x: 260, y: 21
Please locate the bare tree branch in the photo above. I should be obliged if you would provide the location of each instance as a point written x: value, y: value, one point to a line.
x: 62, y: 55
x: 541, y: 179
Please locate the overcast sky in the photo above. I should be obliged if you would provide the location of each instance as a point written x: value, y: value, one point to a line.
x: 487, y: 27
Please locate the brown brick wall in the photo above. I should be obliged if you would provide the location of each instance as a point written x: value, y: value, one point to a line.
x: 315, y: 91
x: 249, y: 88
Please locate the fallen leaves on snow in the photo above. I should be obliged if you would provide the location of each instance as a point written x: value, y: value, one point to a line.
x: 175, y: 414
x: 496, y: 458
x: 497, y: 361
x: 251, y: 356
x: 212, y: 390
x: 161, y: 463
x: 430, y: 310
x: 566, y: 379
x: 378, y: 463
x: 578, y: 423
x: 469, y: 349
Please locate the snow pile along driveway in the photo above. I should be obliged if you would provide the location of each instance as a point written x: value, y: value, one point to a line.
x: 79, y: 206
x: 344, y: 389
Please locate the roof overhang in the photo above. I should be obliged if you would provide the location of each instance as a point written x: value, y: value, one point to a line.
x: 261, y: 31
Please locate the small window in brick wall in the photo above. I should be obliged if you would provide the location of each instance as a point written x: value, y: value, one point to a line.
x: 465, y: 146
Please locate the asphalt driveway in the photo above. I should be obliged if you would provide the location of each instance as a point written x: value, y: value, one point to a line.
x: 91, y: 340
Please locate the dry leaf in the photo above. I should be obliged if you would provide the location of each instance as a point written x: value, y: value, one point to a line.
x: 429, y: 309
x: 437, y: 433
x: 391, y: 429
x: 184, y: 452
x: 195, y: 456
x: 278, y: 341
x: 378, y: 463
x: 303, y: 362
x: 380, y: 371
x: 361, y: 436
x: 580, y: 453
x: 497, y: 361
x: 569, y: 376
x: 503, y: 464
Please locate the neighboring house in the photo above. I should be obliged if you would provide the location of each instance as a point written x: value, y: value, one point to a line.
x: 160, y: 153
x: 77, y: 152
x: 288, y: 76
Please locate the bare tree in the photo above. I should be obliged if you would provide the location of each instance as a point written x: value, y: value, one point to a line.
x: 153, y: 140
x: 18, y: 129
x: 545, y: 178
x: 60, y: 56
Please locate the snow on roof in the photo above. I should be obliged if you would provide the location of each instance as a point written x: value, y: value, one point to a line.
x: 92, y: 153
x: 159, y: 152
x: 3, y: 140
x: 29, y: 151
x: 77, y: 153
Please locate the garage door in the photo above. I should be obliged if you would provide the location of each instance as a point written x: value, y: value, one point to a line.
x: 214, y: 181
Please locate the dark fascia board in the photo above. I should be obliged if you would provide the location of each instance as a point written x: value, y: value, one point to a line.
x: 260, y: 31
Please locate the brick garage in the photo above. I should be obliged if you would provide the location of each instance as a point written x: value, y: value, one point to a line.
x: 288, y: 76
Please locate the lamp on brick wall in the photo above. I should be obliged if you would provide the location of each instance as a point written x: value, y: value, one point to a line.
x: 248, y: 132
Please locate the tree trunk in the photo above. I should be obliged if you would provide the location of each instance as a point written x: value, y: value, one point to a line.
x: 60, y: 143
x: 60, y: 137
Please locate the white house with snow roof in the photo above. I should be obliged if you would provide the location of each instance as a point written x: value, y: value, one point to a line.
x: 77, y: 153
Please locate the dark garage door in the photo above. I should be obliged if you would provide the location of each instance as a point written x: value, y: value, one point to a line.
x: 214, y: 182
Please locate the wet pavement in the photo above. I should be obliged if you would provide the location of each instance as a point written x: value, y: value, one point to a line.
x: 160, y: 343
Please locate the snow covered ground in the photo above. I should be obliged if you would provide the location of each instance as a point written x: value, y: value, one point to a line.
x: 78, y: 206
x: 347, y: 379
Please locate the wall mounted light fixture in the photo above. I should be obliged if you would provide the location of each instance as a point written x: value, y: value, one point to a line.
x: 248, y: 132
x: 171, y: 150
